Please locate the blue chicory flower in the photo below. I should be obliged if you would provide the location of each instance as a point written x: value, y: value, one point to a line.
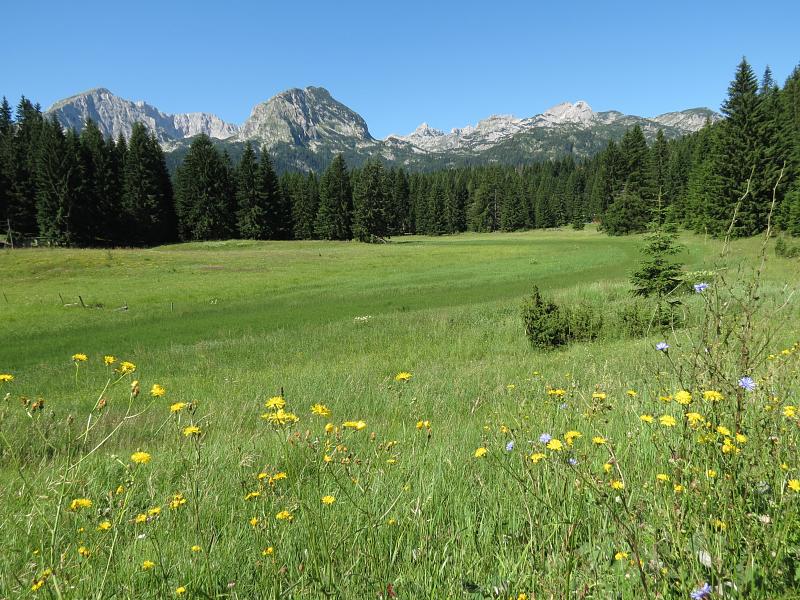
x: 747, y: 383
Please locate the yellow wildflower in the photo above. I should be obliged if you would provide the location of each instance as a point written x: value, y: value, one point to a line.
x: 678, y: 488
x: 662, y: 477
x: 284, y: 515
x: 191, y: 430
x: 423, y: 424
x: 712, y: 395
x: 84, y: 552
x: 275, y: 402
x: 632, y: 393
x: 109, y: 360
x: 571, y: 436
x: 6, y: 378
x: 728, y: 447
x: 607, y: 467
x: 558, y: 392
x: 157, y: 391
x: 126, y: 367
x: 599, y: 440
x: 403, y: 376
x: 667, y: 420
x: 599, y: 395
x: 357, y: 425
x: 620, y: 555
x: 147, y: 565
x: 251, y: 495
x: 536, y: 457
x: 321, y: 410
x: 195, y: 548
x: 722, y: 430
x: 683, y: 397
x: 616, y: 484
x: 177, y: 501
x: 330, y: 428
x: 177, y: 407
x: 555, y: 445
x: 741, y: 438
x: 268, y: 551
x: 646, y: 418
x: 719, y: 525
x: 695, y: 419
x: 154, y: 512
x: 180, y: 591
x: 328, y: 499
x: 140, y: 518
x: 480, y: 452
x: 140, y: 458
x: 104, y: 525
x: 711, y: 473
x: 78, y: 503
x: 790, y: 412
x: 794, y: 485
x: 277, y: 477
x: 80, y: 357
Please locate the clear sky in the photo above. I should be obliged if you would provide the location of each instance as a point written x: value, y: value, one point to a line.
x: 397, y: 63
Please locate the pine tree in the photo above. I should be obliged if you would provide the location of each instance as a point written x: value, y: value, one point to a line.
x: 400, y: 213
x: 58, y: 183
x: 334, y: 219
x: 148, y: 209
x: 251, y: 214
x: 202, y: 193
x: 278, y: 222
x: 305, y: 207
x: 6, y: 141
x: 626, y: 214
x: 370, y: 203
x: 24, y: 153
x: 96, y: 215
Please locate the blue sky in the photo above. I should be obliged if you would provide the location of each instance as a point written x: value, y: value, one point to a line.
x: 396, y: 63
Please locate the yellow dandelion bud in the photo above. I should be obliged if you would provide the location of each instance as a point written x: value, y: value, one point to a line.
x: 195, y: 548
x: 607, y: 467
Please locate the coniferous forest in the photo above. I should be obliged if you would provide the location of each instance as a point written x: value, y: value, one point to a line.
x: 64, y: 188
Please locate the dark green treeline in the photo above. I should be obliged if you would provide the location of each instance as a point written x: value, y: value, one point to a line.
x: 83, y: 190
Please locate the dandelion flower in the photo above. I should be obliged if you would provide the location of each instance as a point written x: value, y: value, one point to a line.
x: 555, y: 445
x: 607, y: 467
x: 712, y: 396
x: 423, y: 424
x: 536, y: 457
x: 722, y: 430
x: 251, y: 495
x: 794, y: 485
x: 140, y: 458
x: 403, y: 376
x: 599, y: 395
x: 109, y: 360
x: 84, y: 552
x: 621, y: 555
x: 154, y: 512
x: 180, y: 591
x: 191, y: 430
x: 790, y: 412
x: 667, y: 420
x: 275, y: 402
x: 694, y: 419
x: 177, y: 501
x: 126, y: 367
x: 79, y: 503
x: 683, y: 397
x: 678, y: 488
x: 321, y: 410
x: 157, y: 391
x: 330, y: 428
x: 616, y: 484
x: 104, y: 526
x: 6, y: 378
x: 599, y: 440
x: 646, y: 418
x: 177, y: 407
x: 632, y: 393
x: 195, y: 548
x: 571, y: 436
x: 328, y: 499
x: 480, y: 452
x: 147, y: 565
x: 711, y: 473
x: 284, y: 515
x: 662, y: 477
x: 357, y: 425
x: 80, y: 357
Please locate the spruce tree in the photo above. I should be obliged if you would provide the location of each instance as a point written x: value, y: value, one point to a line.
x: 370, y: 203
x: 148, y: 209
x: 203, y: 193
x: 305, y: 206
x: 334, y: 219
x: 24, y: 153
x: 251, y: 215
x: 278, y: 222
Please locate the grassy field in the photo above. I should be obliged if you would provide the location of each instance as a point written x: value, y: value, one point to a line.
x: 625, y: 509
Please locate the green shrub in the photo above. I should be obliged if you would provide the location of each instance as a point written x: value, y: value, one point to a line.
x: 546, y: 325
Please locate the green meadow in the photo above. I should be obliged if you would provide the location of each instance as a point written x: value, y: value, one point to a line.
x: 626, y: 508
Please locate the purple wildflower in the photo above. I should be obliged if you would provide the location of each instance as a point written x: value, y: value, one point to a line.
x: 662, y: 346
x: 704, y: 591
x: 747, y: 383
x: 699, y: 288
x: 545, y: 437
x: 573, y: 461
x: 510, y: 446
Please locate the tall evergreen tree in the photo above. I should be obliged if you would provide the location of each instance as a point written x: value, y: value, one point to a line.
x: 203, y: 193
x: 334, y: 219
x: 370, y: 203
x: 251, y: 215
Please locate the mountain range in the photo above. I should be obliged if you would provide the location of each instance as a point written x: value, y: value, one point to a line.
x: 304, y: 128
